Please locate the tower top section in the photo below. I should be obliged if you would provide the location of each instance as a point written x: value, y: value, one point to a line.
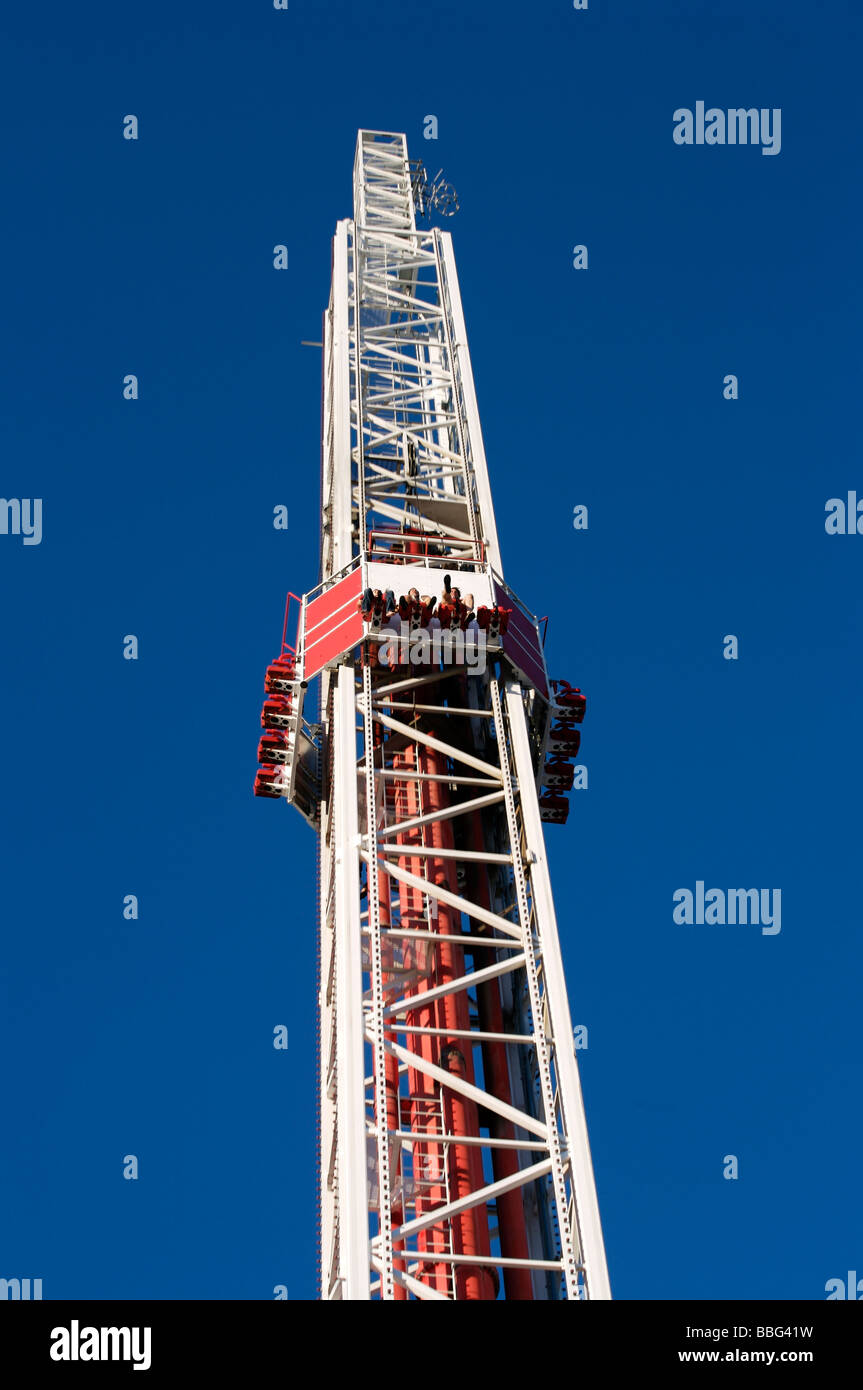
x: 403, y: 457
x: 383, y: 201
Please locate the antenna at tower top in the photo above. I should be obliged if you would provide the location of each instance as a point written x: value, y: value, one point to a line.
x: 431, y: 194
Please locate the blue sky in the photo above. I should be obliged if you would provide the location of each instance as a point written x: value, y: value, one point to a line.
x: 601, y: 387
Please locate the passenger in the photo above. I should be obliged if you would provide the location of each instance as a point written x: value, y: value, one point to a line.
x: 431, y: 621
x: 449, y: 607
x: 416, y: 608
x: 447, y: 614
x: 468, y: 617
x: 458, y: 609
x: 373, y: 600
x: 409, y: 604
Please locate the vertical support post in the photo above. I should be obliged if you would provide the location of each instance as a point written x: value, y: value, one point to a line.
x: 544, y: 1039
x: 340, y: 407
x: 384, y: 1242
x: 352, y: 1177
x: 586, y: 1206
x: 462, y: 370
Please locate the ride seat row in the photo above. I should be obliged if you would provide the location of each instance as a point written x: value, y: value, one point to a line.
x: 278, y: 718
x: 565, y: 714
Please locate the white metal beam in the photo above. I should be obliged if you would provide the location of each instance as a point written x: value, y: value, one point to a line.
x: 444, y: 895
x: 474, y: 1199
x: 455, y: 1083
x: 352, y: 1178
x: 566, y: 1066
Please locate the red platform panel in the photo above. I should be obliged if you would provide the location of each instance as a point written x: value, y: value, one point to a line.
x: 521, y: 642
x: 333, y: 624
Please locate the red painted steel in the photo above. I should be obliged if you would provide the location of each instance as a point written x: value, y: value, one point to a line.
x: 333, y: 624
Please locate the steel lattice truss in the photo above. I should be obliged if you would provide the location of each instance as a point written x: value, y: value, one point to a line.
x: 454, y: 1153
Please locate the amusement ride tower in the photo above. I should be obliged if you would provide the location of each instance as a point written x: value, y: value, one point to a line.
x: 454, y: 1156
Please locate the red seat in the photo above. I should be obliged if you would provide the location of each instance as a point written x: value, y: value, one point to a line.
x: 275, y: 748
x: 571, y: 698
x: 553, y: 808
x: 449, y: 615
x: 558, y: 773
x: 271, y: 781
x: 495, y: 621
x: 276, y: 713
x: 281, y: 675
x: 564, y: 740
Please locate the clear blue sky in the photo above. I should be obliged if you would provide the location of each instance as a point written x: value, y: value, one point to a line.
x: 603, y: 387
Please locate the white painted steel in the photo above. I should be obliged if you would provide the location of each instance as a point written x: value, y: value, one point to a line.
x: 545, y: 1047
x: 385, y: 1235
x: 352, y: 1177
x: 574, y: 1122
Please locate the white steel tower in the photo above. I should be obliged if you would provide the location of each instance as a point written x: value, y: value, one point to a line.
x: 454, y: 1156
